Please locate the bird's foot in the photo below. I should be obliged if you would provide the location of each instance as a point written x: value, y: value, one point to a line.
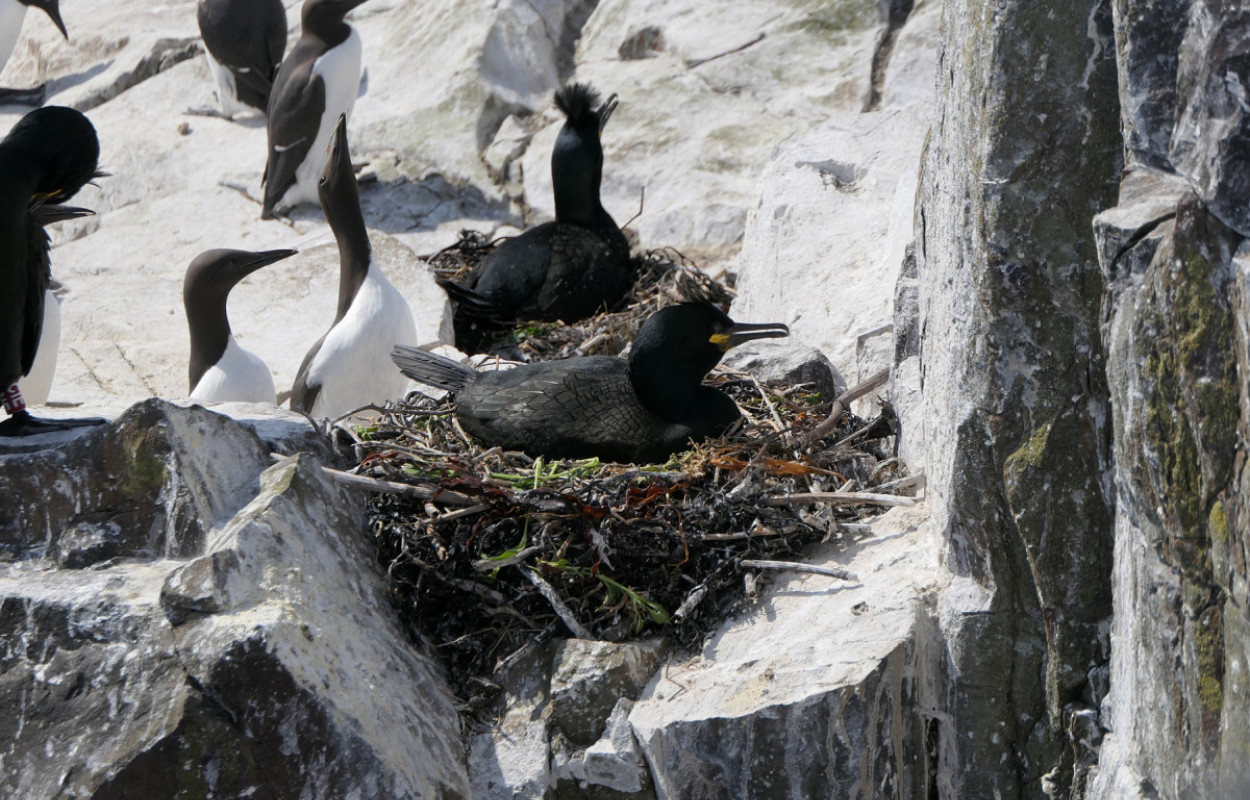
x: 23, y: 424
x: 24, y: 97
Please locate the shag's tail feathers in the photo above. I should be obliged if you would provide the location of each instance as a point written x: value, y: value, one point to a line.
x: 472, y: 305
x: 431, y: 369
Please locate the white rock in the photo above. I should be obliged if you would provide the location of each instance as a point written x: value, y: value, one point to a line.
x: 746, y: 704
x: 825, y: 244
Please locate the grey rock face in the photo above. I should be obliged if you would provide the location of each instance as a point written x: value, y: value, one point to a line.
x: 1211, y: 140
x: 190, y: 625
x: 1022, y: 155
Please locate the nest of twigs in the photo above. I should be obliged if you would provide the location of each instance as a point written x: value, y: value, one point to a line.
x: 490, y: 553
x: 661, y: 278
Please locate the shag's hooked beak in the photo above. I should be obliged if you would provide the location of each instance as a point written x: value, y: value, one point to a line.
x: 605, y: 111
x: 741, y: 332
x: 54, y: 11
x: 264, y: 258
x: 48, y: 214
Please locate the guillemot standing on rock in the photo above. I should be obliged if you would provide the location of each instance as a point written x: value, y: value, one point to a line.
x: 12, y: 14
x: 244, y: 41
x: 220, y: 370
x: 641, y: 410
x: 316, y: 84
x: 47, y: 157
x: 568, y: 269
x: 349, y: 367
x: 37, y: 384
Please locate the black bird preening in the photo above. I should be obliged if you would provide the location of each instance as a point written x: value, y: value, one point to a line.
x: 641, y: 410
x: 316, y: 84
x: 12, y: 14
x: 47, y: 157
x: 568, y: 269
x: 244, y: 41
x: 221, y: 370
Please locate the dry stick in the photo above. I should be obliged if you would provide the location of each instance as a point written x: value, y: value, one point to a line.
x: 394, y: 487
x: 692, y: 600
x: 873, y: 383
x: 837, y: 499
x: 902, y: 483
x: 562, y: 611
x: 832, y: 572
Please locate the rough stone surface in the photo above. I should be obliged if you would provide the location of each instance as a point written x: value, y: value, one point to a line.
x: 1211, y: 141
x: 812, y: 693
x: 588, y: 679
x: 612, y: 767
x: 705, y: 98
x: 824, y: 247
x: 220, y: 631
x: 1025, y: 150
x: 788, y: 362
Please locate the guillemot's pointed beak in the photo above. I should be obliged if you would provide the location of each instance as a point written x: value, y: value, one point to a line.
x: 254, y: 261
x: 54, y: 11
x: 337, y: 151
x: 605, y: 111
x: 741, y: 332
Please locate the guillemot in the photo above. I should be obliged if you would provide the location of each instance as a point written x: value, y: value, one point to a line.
x: 349, y: 367
x: 37, y: 384
x: 12, y: 15
x: 47, y: 157
x: 221, y: 370
x: 243, y: 41
x: 568, y: 269
x: 316, y: 84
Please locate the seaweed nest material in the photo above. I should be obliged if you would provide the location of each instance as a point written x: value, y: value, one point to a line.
x: 661, y: 278
x: 490, y: 552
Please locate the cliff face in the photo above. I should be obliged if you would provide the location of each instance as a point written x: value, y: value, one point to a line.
x: 1084, y: 383
x: 1176, y: 315
x: 1024, y: 150
x: 1034, y: 213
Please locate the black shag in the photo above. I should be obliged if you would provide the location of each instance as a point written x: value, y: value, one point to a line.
x: 568, y: 269
x: 316, y: 84
x: 642, y: 410
x: 244, y: 41
x: 221, y: 370
x: 47, y: 157
x: 12, y: 14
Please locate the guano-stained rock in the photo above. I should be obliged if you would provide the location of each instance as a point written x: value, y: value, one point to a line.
x: 236, y: 640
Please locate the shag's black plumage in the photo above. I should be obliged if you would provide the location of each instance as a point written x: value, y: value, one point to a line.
x: 641, y: 410
x: 568, y: 269
x: 47, y: 157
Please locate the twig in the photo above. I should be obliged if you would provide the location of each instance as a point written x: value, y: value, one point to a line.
x: 790, y: 566
x: 562, y: 611
x: 394, y: 487
x: 839, y: 405
x: 692, y: 600
x: 545, y: 634
x: 917, y: 480
x: 836, y: 499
